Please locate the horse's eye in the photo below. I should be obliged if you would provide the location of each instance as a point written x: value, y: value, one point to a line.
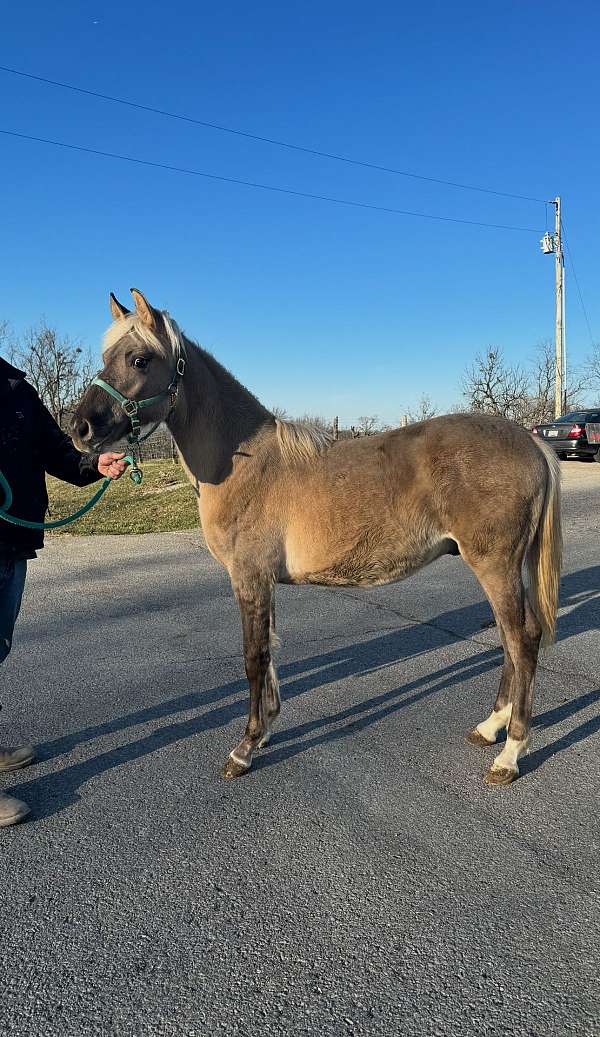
x: 140, y: 361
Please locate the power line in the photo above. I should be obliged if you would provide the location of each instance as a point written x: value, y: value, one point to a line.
x: 265, y: 140
x: 262, y: 187
x: 575, y: 278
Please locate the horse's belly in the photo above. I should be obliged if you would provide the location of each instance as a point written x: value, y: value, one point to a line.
x: 375, y: 558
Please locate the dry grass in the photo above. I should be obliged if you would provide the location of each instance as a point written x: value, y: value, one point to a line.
x: 164, y: 502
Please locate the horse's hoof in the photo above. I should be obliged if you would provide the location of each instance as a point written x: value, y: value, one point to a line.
x: 266, y: 738
x: 475, y: 737
x: 501, y: 775
x: 233, y: 769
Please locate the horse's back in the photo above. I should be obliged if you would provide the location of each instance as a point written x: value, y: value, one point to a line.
x: 376, y: 509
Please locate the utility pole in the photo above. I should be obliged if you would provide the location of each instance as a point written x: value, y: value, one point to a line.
x: 565, y: 378
x: 553, y: 243
x: 558, y: 397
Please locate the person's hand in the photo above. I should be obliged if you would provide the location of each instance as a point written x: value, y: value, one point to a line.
x: 111, y: 464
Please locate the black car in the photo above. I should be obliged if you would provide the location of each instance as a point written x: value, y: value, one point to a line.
x: 568, y: 436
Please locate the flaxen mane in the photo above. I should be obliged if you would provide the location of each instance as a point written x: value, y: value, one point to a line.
x: 300, y: 442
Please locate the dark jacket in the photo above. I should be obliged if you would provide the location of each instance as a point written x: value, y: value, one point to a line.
x: 31, y: 444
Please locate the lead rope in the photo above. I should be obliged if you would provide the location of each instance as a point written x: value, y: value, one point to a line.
x: 8, y: 498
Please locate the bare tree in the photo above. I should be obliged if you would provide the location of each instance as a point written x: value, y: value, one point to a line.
x: 4, y: 335
x: 424, y: 411
x: 542, y: 385
x: 367, y: 425
x: 305, y: 419
x: 525, y: 396
x: 315, y: 419
x: 56, y: 366
x: 492, y: 385
x: 592, y: 369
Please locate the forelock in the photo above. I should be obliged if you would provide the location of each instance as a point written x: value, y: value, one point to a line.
x: 131, y: 324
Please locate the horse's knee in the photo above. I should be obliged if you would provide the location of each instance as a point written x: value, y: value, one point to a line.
x: 256, y: 662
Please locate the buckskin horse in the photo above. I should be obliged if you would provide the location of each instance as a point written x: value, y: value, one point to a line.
x: 281, y: 502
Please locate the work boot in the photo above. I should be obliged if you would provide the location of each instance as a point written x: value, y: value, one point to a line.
x: 11, y: 810
x: 14, y: 759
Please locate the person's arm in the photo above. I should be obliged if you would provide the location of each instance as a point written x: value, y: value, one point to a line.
x: 63, y: 460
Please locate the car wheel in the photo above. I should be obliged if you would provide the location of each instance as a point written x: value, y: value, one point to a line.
x: 597, y: 456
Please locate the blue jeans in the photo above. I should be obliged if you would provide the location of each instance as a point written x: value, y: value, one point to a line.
x: 12, y: 581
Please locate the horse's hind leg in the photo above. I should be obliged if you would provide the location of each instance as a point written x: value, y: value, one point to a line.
x: 521, y: 634
x: 253, y: 593
x: 271, y: 703
x: 524, y: 642
x: 486, y: 733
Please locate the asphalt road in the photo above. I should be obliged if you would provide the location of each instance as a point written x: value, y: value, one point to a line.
x: 361, y: 879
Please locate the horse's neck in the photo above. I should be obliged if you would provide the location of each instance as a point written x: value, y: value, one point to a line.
x: 215, y: 417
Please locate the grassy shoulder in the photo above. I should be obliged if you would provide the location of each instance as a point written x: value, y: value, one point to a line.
x: 165, y: 501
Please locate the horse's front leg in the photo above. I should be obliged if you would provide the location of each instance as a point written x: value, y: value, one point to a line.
x: 254, y: 599
x: 271, y: 703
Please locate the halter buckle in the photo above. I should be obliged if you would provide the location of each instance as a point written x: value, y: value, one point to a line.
x: 180, y: 368
x: 130, y: 407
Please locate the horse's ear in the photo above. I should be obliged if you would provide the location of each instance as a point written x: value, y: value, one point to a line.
x: 116, y: 309
x: 144, y: 310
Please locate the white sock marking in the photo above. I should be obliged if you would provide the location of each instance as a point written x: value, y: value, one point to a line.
x: 240, y: 760
x: 510, y: 754
x: 495, y: 722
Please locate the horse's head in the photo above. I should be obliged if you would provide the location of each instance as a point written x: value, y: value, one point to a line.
x: 143, y: 361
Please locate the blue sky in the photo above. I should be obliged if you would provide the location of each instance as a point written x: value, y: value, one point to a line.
x: 316, y: 307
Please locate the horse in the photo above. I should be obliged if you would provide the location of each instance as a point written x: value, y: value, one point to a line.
x: 282, y: 502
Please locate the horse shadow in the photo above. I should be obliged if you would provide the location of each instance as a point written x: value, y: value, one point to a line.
x: 590, y: 727
x: 579, y: 591
x: 53, y: 793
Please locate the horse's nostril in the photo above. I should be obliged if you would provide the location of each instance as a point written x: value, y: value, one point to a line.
x: 84, y: 430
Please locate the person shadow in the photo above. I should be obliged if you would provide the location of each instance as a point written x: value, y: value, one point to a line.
x: 52, y: 793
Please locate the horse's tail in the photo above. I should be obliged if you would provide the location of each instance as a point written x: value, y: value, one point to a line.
x: 544, y: 555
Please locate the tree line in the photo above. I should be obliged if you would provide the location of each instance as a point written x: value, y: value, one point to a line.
x: 490, y: 384
x: 525, y: 393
